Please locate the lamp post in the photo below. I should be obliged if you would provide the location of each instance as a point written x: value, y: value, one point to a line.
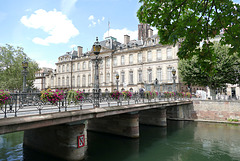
x: 174, y: 81
x: 24, y: 73
x: 97, y: 60
x: 117, y: 80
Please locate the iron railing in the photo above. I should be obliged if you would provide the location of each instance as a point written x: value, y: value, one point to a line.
x: 23, y: 104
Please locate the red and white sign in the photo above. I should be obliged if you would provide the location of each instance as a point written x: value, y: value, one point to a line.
x: 81, y: 141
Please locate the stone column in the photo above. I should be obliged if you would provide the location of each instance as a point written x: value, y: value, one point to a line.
x: 65, y: 141
x: 156, y: 117
x: 123, y: 124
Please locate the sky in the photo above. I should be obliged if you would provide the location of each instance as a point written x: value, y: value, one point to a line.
x: 47, y: 29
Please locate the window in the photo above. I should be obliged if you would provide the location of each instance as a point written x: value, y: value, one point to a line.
x: 84, y: 65
x: 159, y: 74
x: 52, y: 82
x: 115, y: 61
x: 73, y: 67
x: 78, y: 80
x: 149, y: 56
x: 78, y: 66
x: 73, y: 81
x: 59, y: 69
x: 169, y: 74
x: 63, y: 81
x: 59, y: 79
x: 89, y: 79
x: 130, y: 59
x: 139, y: 57
x: 67, y: 81
x: 122, y: 60
x: 169, y: 53
x: 130, y: 77
x: 67, y: 67
x: 149, y: 75
x: 159, y: 54
x: 122, y: 77
x: 89, y: 65
x: 84, y: 81
x: 108, y: 62
x: 101, y: 78
x: 108, y: 78
x: 139, y: 76
x: 63, y: 68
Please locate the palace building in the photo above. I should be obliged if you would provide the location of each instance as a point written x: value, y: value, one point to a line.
x: 137, y: 62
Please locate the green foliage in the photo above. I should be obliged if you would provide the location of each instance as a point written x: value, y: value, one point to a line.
x: 226, y: 69
x: 232, y: 120
x: 11, y: 59
x: 74, y: 96
x: 192, y: 21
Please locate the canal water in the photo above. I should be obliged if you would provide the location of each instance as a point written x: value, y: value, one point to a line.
x: 180, y: 141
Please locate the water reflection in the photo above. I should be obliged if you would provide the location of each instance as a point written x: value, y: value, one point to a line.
x: 11, y: 146
x: 180, y: 141
x: 219, y: 137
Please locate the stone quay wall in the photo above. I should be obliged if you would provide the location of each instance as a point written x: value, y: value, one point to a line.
x: 206, y: 110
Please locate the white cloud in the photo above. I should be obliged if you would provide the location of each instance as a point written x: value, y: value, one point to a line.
x: 28, y: 10
x: 67, y: 6
x: 119, y: 34
x: 91, y: 17
x: 45, y: 63
x: 56, y: 24
x: 93, y: 23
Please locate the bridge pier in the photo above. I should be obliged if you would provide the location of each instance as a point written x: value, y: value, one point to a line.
x: 62, y: 141
x: 156, y: 117
x: 123, y: 125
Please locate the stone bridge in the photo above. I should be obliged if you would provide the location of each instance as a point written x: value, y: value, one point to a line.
x: 64, y: 134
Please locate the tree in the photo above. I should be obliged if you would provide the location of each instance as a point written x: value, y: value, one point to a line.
x: 11, y: 59
x: 191, y: 22
x: 226, y: 70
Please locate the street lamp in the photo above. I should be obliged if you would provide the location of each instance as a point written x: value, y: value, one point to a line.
x: 97, y: 60
x: 155, y: 84
x: 24, y: 73
x: 117, y: 80
x: 174, y: 81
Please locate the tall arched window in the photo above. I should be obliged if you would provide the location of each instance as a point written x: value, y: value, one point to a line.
x: 59, y: 81
x: 122, y: 60
x: 84, y: 81
x: 89, y: 79
x: 149, y: 75
x: 73, y: 67
x: 78, y: 80
x: 67, y: 81
x: 84, y: 65
x: 67, y: 67
x: 63, y: 81
x: 73, y: 81
x: 108, y: 78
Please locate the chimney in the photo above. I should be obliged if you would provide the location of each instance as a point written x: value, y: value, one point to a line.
x: 126, y: 39
x: 79, y: 51
x: 150, y: 32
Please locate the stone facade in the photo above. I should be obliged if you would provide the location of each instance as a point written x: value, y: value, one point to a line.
x: 138, y: 63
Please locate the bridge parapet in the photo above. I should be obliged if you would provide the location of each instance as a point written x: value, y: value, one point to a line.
x: 26, y: 104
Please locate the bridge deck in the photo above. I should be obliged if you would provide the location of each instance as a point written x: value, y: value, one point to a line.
x: 13, y: 124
